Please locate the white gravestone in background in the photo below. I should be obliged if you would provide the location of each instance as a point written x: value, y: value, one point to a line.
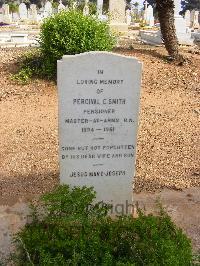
x: 145, y: 11
x: 187, y: 18
x: 117, y: 15
x: 6, y: 14
x: 61, y: 6
x: 196, y: 20
x: 150, y: 17
x: 98, y: 118
x: 23, y: 12
x: 48, y: 10
x: 100, y: 8
x: 184, y: 37
x: 33, y: 13
x: 128, y: 17
x: 86, y: 9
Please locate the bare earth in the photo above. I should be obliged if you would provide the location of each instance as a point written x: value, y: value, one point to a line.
x: 168, y: 154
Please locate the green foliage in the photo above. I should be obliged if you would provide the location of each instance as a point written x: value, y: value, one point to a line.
x: 31, y: 64
x: 13, y: 7
x: 67, y: 228
x: 62, y: 34
x: 196, y: 259
x: 23, y: 76
x: 72, y: 33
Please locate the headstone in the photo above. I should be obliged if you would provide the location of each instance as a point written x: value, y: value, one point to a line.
x: 15, y: 17
x: 196, y: 20
x: 117, y: 15
x: 33, y: 13
x: 132, y: 2
x: 98, y: 115
x: 150, y: 17
x: 23, y: 13
x: 128, y: 17
x: 184, y: 37
x: 61, y: 6
x: 6, y: 9
x: 99, y: 8
x: 1, y: 15
x: 48, y: 10
x: 6, y: 14
x: 86, y: 9
x: 192, y: 18
x: 145, y: 11
x: 187, y: 18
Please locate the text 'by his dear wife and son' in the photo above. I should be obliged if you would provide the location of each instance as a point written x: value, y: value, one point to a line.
x: 104, y: 151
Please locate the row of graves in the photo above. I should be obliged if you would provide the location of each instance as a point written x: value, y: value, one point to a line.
x: 117, y: 11
x: 30, y: 18
x: 33, y: 14
x: 120, y: 18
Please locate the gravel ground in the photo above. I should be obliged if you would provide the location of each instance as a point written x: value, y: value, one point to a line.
x: 167, y: 153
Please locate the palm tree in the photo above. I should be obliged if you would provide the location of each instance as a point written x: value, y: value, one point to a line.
x: 166, y: 17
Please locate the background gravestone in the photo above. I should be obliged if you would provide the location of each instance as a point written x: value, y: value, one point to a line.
x: 6, y: 14
x: 33, y: 13
x: 187, y: 18
x: 61, y: 6
x: 100, y: 8
x: 98, y: 116
x: 23, y: 13
x: 117, y: 15
x: 48, y: 10
x: 150, y: 17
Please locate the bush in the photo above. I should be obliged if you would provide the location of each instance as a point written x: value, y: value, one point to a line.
x: 68, y: 33
x: 68, y: 229
x: 30, y: 64
x: 65, y: 33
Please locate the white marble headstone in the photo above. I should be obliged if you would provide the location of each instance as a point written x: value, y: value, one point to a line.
x: 196, y: 20
x: 187, y: 18
x: 5, y: 8
x: 23, y: 13
x: 150, y: 17
x: 33, y: 13
x: 61, y: 6
x: 128, y: 17
x: 183, y: 35
x: 99, y: 96
x: 6, y: 14
x: 48, y: 10
x: 145, y: 10
x: 100, y: 8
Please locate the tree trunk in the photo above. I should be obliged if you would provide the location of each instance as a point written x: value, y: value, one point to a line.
x: 166, y: 17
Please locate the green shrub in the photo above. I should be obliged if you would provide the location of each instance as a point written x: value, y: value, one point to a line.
x: 31, y: 64
x: 68, y: 229
x: 65, y: 33
x: 68, y: 33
